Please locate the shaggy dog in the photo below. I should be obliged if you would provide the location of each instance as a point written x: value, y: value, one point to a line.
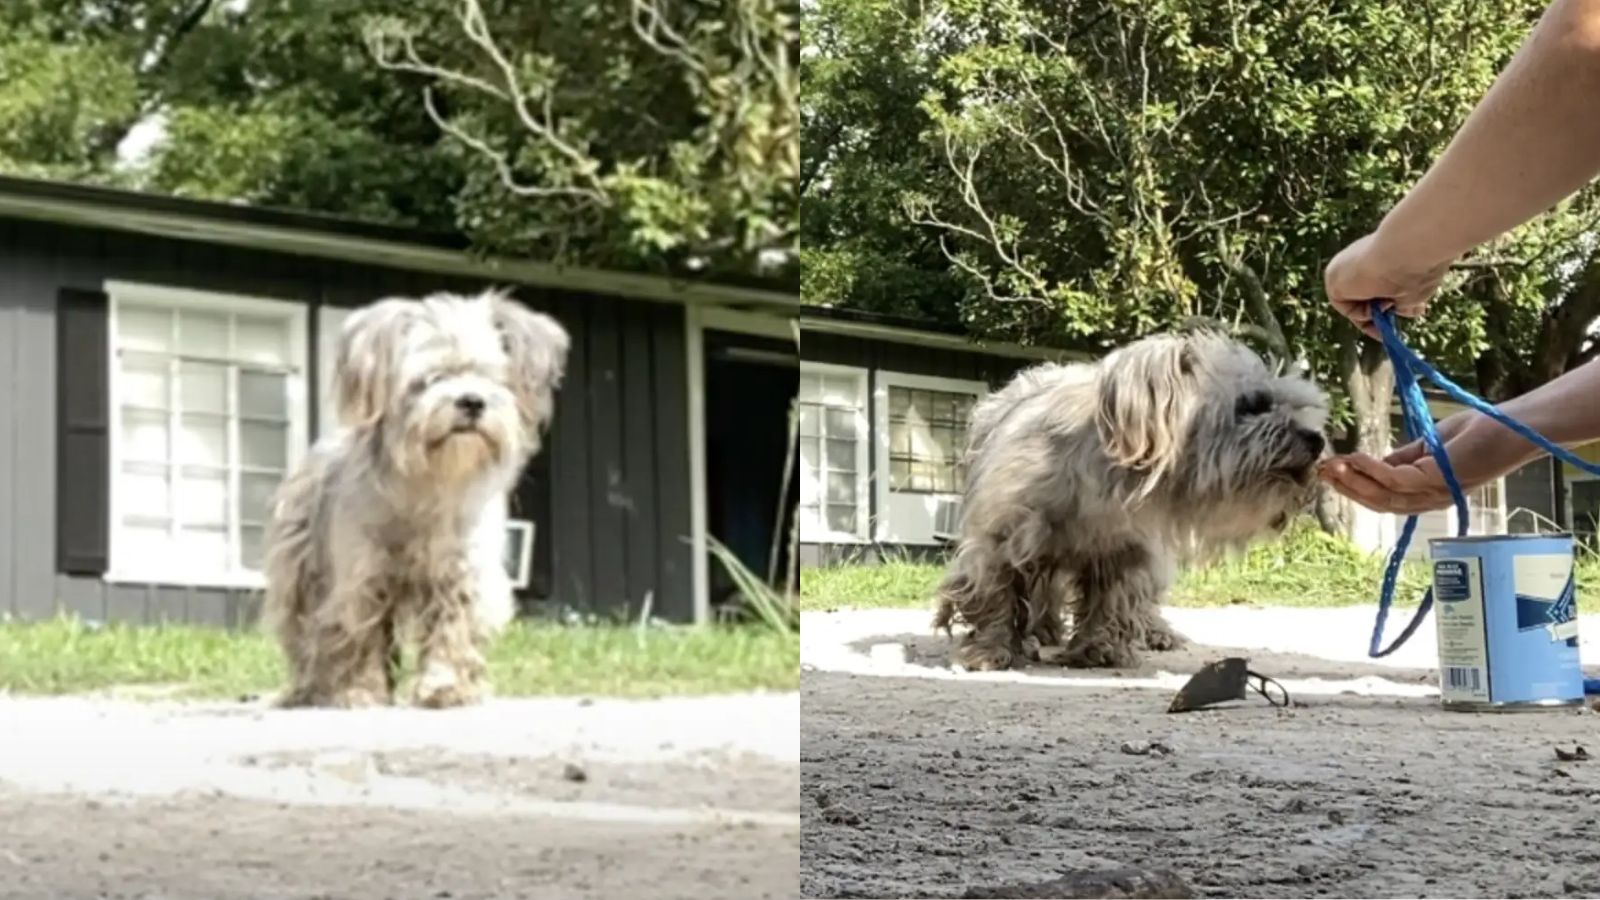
x: 392, y: 529
x: 1089, y: 484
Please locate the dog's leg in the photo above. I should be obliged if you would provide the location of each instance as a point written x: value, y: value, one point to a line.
x: 450, y: 663
x: 346, y: 649
x: 1107, y: 631
x: 1155, y: 633
x: 981, y: 591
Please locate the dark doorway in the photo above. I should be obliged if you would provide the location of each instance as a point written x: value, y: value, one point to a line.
x: 751, y: 383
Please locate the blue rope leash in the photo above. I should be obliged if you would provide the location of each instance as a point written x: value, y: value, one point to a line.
x: 1408, y: 367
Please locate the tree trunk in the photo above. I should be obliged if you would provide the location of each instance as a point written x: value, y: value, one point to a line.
x: 1369, y: 383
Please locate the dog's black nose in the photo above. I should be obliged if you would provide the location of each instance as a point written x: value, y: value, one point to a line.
x: 471, y: 404
x: 1313, y: 440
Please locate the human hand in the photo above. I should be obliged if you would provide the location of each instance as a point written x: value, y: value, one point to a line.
x: 1409, y: 481
x: 1366, y: 271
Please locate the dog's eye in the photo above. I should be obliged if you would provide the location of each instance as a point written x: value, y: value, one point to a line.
x: 1255, y: 403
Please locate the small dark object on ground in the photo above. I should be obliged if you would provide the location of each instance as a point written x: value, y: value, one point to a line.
x: 1224, y: 681
x: 1109, y: 883
x: 1576, y: 754
x: 574, y: 772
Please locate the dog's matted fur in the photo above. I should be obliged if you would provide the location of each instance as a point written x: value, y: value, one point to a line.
x: 392, y: 528
x: 1088, y: 485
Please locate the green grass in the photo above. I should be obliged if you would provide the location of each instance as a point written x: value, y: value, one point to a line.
x: 531, y: 659
x: 1307, y: 568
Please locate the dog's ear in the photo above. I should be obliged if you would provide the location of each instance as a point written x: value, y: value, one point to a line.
x: 367, y: 361
x: 537, y: 347
x: 1146, y: 393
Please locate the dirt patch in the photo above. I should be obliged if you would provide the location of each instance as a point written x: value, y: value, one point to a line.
x: 940, y: 784
x: 211, y: 847
x: 676, y: 798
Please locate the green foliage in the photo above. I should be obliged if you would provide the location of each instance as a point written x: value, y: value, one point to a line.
x: 1305, y: 568
x: 1099, y: 169
x: 530, y: 659
x: 681, y: 123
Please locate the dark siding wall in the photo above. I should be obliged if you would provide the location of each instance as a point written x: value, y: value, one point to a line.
x: 615, y: 484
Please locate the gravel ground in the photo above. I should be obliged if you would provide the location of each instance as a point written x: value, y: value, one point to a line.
x: 917, y: 781
x: 553, y: 798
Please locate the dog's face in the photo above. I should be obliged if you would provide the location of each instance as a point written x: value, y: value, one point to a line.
x: 451, y: 386
x: 1202, y: 419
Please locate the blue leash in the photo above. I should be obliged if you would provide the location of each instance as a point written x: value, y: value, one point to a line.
x: 1408, y: 366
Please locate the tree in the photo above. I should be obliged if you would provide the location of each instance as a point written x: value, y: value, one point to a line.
x: 600, y: 132
x: 1107, y: 168
x: 630, y: 129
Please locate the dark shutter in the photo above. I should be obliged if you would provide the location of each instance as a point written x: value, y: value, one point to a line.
x: 82, y: 445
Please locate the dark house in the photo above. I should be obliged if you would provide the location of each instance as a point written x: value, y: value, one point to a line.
x: 164, y: 361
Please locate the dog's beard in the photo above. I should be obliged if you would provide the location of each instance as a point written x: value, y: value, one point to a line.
x: 451, y: 448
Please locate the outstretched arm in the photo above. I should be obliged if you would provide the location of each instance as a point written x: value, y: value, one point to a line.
x: 1533, y: 140
x: 1566, y: 410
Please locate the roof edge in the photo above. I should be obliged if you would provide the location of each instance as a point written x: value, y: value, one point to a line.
x: 311, y: 234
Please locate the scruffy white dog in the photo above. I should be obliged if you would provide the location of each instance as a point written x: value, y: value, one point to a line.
x: 392, y: 529
x: 1088, y: 485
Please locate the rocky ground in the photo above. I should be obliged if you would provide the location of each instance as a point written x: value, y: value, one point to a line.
x: 922, y: 782
x: 691, y: 798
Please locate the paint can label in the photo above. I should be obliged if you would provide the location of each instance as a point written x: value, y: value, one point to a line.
x: 1545, y: 597
x: 1463, y: 637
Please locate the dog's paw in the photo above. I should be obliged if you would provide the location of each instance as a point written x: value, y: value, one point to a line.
x: 984, y: 657
x: 1099, y: 653
x: 442, y: 688
x: 1161, y: 638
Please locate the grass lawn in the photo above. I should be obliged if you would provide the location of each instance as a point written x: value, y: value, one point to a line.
x: 530, y: 659
x: 1307, y: 568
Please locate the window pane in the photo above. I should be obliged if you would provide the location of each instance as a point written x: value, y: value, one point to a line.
x: 262, y: 341
x: 899, y: 474
x: 255, y: 496
x: 810, y: 388
x: 142, y: 491
x: 202, y: 334
x: 840, y: 423
x: 900, y: 439
x: 263, y: 446
x: 203, y: 440
x: 203, y: 388
x: 251, y: 546
x: 810, y: 421
x: 840, y: 390
x: 263, y: 395
x: 842, y: 455
x: 899, y: 401
x: 143, y: 382
x: 203, y: 497
x: 144, y: 436
x: 143, y: 546
x: 842, y: 518
x: 841, y: 487
x: 203, y: 549
x: 144, y: 329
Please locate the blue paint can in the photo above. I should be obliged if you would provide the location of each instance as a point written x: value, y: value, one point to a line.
x: 1507, y: 616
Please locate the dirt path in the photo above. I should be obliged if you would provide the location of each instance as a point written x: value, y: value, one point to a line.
x: 920, y: 782
x: 550, y: 798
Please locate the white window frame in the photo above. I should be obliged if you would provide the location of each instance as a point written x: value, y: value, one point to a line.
x: 818, y: 532
x: 909, y: 518
x: 165, y: 571
x: 519, y: 538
